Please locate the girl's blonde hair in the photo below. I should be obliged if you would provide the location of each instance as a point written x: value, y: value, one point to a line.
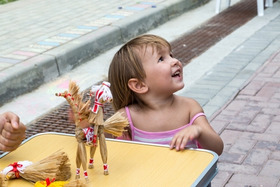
x: 127, y: 64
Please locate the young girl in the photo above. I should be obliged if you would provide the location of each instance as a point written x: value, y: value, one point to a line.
x: 144, y: 77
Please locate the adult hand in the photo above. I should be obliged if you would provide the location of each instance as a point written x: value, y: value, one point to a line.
x: 12, y: 131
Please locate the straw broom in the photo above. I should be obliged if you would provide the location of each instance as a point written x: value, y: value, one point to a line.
x: 54, y: 166
x: 116, y: 124
x: 3, y: 183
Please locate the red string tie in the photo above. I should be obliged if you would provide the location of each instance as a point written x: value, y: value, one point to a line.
x: 48, y: 182
x: 15, y: 165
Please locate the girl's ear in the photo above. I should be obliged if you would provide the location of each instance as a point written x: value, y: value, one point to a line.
x: 137, y: 86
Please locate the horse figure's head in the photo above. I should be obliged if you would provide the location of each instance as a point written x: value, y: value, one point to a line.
x: 102, y: 95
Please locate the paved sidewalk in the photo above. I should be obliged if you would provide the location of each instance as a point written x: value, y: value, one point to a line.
x: 241, y: 97
x: 42, y: 40
x: 250, y: 128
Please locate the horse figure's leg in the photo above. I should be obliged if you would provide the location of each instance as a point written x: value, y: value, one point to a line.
x: 93, y: 146
x: 81, y: 155
x: 82, y: 158
x: 78, y: 163
x: 91, y: 160
x: 103, y: 150
x: 78, y: 133
x: 91, y: 137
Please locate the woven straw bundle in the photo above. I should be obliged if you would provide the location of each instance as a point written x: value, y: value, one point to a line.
x: 57, y: 166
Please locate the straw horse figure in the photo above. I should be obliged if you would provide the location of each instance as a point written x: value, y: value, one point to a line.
x: 115, y: 125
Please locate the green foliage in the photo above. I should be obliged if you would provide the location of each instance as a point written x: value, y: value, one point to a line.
x: 5, y: 1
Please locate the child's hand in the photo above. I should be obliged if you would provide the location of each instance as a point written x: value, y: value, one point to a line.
x: 181, y: 139
x: 11, y: 136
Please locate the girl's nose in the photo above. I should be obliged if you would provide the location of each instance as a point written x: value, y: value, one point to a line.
x: 175, y: 62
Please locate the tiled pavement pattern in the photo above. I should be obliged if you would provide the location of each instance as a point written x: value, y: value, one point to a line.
x: 227, y: 77
x: 249, y: 123
x: 250, y: 128
x: 54, y: 25
x: 194, y: 43
x: 247, y: 80
x: 40, y: 41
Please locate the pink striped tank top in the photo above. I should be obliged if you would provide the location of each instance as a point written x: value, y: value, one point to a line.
x: 164, y: 137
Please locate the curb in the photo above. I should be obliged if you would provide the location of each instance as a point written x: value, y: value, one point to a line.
x: 32, y: 73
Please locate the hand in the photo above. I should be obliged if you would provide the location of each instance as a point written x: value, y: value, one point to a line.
x: 12, y: 131
x: 181, y: 139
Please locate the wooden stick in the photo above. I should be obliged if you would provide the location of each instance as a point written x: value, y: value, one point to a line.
x: 103, y: 149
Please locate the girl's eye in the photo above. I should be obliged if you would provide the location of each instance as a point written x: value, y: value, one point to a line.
x: 160, y: 59
x: 171, y: 55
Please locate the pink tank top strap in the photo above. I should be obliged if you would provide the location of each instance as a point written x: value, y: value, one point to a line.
x: 191, y: 122
x: 195, y: 117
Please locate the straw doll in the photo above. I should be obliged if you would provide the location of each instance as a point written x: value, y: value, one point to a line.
x: 56, y: 166
x: 102, y: 95
x: 81, y: 110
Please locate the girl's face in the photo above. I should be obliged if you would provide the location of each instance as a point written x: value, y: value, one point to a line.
x: 164, y: 74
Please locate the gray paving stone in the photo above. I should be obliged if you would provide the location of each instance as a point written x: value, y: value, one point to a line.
x: 234, y: 158
x: 271, y: 169
x: 237, y: 168
x: 251, y: 180
x: 221, y: 179
x: 257, y: 157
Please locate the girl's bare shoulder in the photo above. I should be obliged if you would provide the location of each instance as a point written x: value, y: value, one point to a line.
x: 186, y: 100
x: 189, y: 102
x: 122, y: 112
x: 130, y: 108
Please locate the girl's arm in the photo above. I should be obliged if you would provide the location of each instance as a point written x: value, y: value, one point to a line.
x: 200, y: 130
x: 207, y: 137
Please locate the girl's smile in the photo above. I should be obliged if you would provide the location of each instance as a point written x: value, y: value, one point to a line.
x: 163, y: 72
